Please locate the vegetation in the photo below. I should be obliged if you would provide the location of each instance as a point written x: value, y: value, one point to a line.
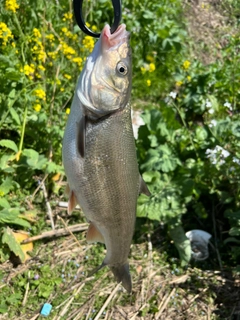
x: 188, y: 151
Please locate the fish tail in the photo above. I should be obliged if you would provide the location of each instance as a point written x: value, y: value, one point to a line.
x: 122, y: 274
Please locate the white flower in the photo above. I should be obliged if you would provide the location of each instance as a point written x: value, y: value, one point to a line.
x: 211, y: 111
x: 236, y: 160
x: 212, y: 123
x: 217, y: 155
x: 173, y: 94
x: 208, y: 103
x: 228, y: 105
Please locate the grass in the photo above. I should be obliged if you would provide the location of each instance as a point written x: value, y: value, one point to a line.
x: 57, y: 274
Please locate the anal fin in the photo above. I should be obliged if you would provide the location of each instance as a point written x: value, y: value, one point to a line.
x: 94, y: 235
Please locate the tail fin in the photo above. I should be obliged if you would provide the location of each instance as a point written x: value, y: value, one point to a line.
x: 122, y: 274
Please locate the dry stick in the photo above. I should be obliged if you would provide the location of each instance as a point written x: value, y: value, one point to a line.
x: 70, y: 231
x: 58, y: 232
x: 107, y: 301
x: 35, y: 317
x: 39, y: 186
x: 26, y: 292
x: 65, y: 309
x: 49, y: 209
x: 165, y: 303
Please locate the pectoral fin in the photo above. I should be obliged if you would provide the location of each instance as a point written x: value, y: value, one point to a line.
x: 72, y: 202
x: 94, y: 235
x: 81, y: 136
x: 143, y: 187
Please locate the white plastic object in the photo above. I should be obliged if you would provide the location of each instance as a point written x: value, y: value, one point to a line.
x: 199, y: 243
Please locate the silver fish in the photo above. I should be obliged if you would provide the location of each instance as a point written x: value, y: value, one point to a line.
x: 99, y: 153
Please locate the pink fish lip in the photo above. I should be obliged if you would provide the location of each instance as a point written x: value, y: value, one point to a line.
x: 111, y: 40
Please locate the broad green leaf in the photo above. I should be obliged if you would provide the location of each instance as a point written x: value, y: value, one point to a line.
x: 6, y: 186
x: 9, y: 239
x: 4, y: 203
x: 32, y: 157
x: 9, y: 144
x: 12, y: 216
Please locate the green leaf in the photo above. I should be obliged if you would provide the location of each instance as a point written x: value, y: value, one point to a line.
x: 235, y: 231
x: 15, y: 116
x: 236, y: 128
x: 9, y: 239
x: 4, y: 203
x: 6, y: 186
x: 9, y: 144
x: 11, y: 216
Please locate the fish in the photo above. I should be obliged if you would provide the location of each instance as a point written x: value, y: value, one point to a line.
x: 99, y: 152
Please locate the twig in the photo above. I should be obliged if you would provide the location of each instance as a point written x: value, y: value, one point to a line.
x: 163, y: 305
x: 26, y: 292
x: 58, y: 232
x: 107, y: 301
x: 39, y: 186
x: 49, y: 209
x: 70, y: 231
x: 65, y: 309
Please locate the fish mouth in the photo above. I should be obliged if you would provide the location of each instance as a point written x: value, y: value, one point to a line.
x: 115, y: 39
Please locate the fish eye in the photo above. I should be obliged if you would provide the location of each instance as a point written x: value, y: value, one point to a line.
x: 122, y: 68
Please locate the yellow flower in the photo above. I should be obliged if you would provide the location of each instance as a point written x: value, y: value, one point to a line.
x: 67, y: 76
x: 94, y: 28
x: 148, y: 83
x: 88, y: 43
x: 61, y: 89
x: 40, y: 67
x: 67, y: 50
x: 50, y: 37
x: 29, y: 70
x: 11, y: 5
x: 37, y: 107
x: 5, y: 33
x: 152, y: 67
x: 78, y: 60
x: 58, y: 82
x: 40, y: 93
x: 189, y: 78
x: 67, y: 16
x: 67, y: 110
x: 186, y: 64
x: 64, y: 30
x: 149, y: 58
x: 37, y: 33
x: 143, y: 70
x: 179, y: 83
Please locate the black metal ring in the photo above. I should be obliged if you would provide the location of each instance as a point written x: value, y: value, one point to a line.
x: 77, y: 7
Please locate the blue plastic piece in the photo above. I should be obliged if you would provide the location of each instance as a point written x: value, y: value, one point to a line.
x: 46, y: 309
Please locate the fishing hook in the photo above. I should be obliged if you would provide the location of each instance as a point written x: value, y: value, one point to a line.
x: 77, y: 7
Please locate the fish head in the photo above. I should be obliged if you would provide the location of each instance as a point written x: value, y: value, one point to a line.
x: 105, y: 82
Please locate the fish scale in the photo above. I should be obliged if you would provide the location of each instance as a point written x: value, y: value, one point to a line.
x: 99, y: 153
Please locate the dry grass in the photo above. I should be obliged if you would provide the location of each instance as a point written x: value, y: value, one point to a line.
x: 159, y: 291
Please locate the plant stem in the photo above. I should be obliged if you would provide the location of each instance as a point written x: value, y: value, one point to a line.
x: 23, y: 130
